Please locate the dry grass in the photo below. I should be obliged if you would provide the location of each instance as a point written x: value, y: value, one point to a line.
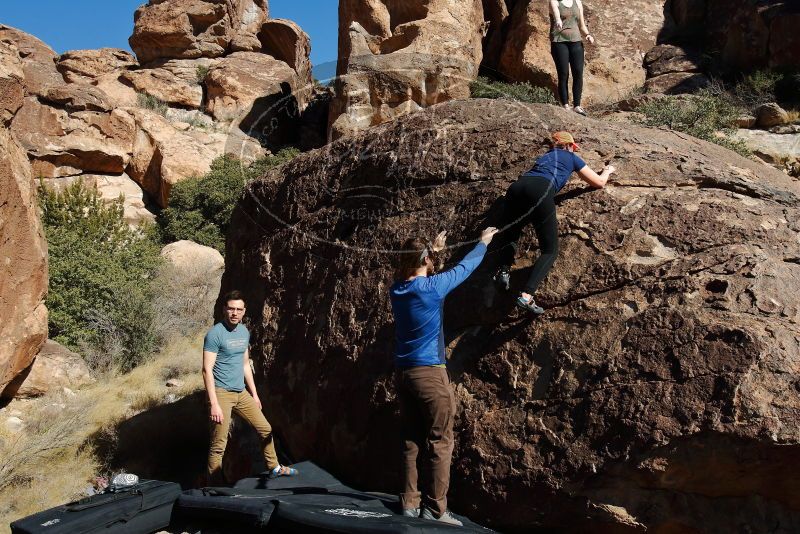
x: 47, y: 464
x: 794, y: 115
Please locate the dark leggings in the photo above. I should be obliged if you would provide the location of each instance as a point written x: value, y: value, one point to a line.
x: 568, y: 55
x: 530, y: 200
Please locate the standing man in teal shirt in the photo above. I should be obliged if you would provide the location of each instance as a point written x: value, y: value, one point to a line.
x: 226, y: 370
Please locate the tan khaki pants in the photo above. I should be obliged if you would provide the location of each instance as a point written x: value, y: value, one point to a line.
x: 427, y: 410
x: 243, y: 404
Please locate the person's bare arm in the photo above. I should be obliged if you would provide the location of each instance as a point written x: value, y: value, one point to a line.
x: 209, y: 358
x: 582, y: 23
x: 555, y: 13
x: 596, y: 180
x: 248, y: 378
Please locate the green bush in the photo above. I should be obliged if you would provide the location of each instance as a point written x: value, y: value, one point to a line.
x: 201, y: 72
x: 200, y: 208
x: 703, y: 115
x: 757, y: 88
x: 153, y: 103
x: 101, y: 278
x: 523, y: 92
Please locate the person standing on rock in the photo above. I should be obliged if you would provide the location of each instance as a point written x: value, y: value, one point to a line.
x: 531, y: 200
x: 226, y: 371
x: 427, y: 404
x: 566, y: 26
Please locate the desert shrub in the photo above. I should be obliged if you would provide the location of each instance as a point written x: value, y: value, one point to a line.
x: 757, y: 88
x: 101, y: 277
x: 523, y: 92
x: 153, y: 103
x: 200, y: 208
x: 705, y: 115
x: 201, y: 72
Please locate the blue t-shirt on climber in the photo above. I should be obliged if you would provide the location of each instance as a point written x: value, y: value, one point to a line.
x: 557, y: 166
x: 229, y: 345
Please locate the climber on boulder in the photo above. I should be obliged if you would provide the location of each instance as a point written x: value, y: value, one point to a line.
x: 427, y: 404
x: 226, y: 371
x: 531, y: 200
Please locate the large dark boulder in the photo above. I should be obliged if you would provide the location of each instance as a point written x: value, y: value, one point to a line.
x: 658, y: 392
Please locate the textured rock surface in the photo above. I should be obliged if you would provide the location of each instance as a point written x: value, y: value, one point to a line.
x: 771, y: 114
x: 240, y: 79
x: 197, y: 270
x: 55, y: 367
x: 624, y: 31
x: 186, y: 255
x: 164, y: 85
x: 60, y: 143
x: 12, y: 81
x: 397, y: 57
x: 36, y: 58
x: 88, y: 65
x: 781, y: 150
x: 286, y: 41
x: 162, y: 155
x: 659, y: 391
x: 743, y: 33
x: 23, y: 265
x: 190, y: 29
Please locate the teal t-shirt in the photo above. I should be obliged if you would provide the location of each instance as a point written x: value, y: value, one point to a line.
x: 229, y: 345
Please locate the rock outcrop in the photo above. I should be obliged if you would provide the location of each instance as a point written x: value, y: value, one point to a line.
x: 55, y: 368
x: 399, y: 57
x: 659, y: 390
x: 36, y: 59
x: 743, y: 34
x: 519, y: 48
x: 673, y: 70
x: 23, y: 265
x: 89, y: 65
x: 190, y: 29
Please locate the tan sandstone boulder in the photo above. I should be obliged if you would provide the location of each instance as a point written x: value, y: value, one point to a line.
x: 164, y: 85
x: 88, y: 65
x: 624, y: 31
x: 23, y: 264
x: 189, y: 29
x: 244, y: 87
x: 36, y: 58
x: 60, y: 143
x: 286, y: 41
x: 12, y: 81
x: 398, y: 57
x: 194, y: 275
x: 163, y: 155
x: 55, y: 368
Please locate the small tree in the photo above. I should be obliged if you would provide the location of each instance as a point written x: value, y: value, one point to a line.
x: 101, y: 277
x: 200, y: 209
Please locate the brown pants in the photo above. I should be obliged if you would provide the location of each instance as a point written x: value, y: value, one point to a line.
x: 243, y: 404
x: 427, y: 410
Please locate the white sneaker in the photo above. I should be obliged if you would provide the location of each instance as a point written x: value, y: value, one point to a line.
x: 446, y: 517
x: 579, y: 110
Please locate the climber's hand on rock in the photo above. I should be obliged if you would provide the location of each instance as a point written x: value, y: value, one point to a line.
x: 440, y: 241
x: 609, y: 170
x: 488, y: 234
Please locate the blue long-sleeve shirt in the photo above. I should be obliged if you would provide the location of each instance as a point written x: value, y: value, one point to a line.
x: 417, y: 308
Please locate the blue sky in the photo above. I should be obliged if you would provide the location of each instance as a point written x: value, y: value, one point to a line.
x: 77, y: 24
